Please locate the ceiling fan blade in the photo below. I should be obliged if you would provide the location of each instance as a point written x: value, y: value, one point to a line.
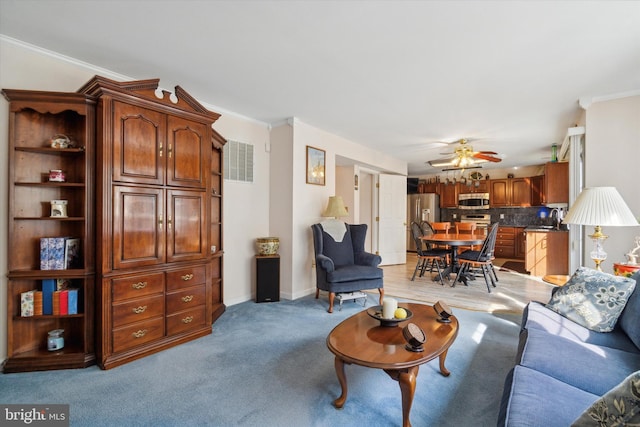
x: 488, y: 152
x: 487, y: 157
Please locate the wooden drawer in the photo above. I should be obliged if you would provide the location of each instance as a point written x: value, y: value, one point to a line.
x: 137, y: 286
x: 186, y: 277
x: 138, y: 309
x: 186, y: 298
x: 186, y: 320
x: 137, y: 334
x: 504, y: 252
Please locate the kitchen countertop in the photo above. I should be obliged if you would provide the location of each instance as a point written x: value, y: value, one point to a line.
x: 543, y: 229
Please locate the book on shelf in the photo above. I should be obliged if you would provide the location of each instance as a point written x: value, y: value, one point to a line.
x: 64, y: 302
x: 37, y: 303
x: 73, y: 301
x: 56, y: 302
x: 27, y: 303
x: 48, y: 288
x: 59, y: 253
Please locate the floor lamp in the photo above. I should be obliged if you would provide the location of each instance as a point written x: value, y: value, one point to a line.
x: 598, y: 206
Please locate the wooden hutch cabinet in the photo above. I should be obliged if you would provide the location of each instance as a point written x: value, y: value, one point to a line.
x: 158, y: 217
x: 34, y: 118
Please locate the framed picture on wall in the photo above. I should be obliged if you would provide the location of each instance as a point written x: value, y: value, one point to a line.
x: 315, y: 165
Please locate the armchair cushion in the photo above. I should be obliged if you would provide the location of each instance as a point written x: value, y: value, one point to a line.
x: 348, y: 273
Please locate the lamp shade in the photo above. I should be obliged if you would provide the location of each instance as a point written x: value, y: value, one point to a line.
x: 335, y: 208
x: 600, y: 206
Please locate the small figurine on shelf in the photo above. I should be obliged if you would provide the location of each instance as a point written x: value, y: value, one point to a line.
x: 60, y: 141
x: 632, y: 255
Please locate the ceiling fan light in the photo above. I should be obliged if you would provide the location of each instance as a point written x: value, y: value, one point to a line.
x: 441, y: 163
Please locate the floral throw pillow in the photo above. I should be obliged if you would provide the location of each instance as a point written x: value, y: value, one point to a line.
x: 592, y: 298
x: 618, y: 407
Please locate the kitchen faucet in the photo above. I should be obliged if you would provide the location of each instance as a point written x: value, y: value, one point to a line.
x: 559, y: 216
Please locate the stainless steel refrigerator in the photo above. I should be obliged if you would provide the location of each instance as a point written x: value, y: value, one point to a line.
x: 421, y: 207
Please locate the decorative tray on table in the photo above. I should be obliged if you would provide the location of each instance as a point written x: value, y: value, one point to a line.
x: 376, y: 313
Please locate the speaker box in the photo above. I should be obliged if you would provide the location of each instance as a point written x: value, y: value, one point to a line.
x: 267, y: 278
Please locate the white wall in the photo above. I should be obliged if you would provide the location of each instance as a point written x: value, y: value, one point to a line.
x: 612, y: 158
x: 307, y: 201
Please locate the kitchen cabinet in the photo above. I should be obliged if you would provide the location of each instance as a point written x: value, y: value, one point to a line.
x: 510, y: 192
x: 537, y: 190
x: 449, y: 195
x: 159, y: 201
x: 556, y: 183
x: 547, y: 252
x: 478, y: 186
x: 520, y: 243
x: 505, y: 242
x: 34, y: 118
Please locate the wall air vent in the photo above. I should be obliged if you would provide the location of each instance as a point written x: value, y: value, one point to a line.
x: 238, y: 161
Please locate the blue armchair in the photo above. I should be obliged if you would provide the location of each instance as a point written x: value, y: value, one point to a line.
x: 345, y: 266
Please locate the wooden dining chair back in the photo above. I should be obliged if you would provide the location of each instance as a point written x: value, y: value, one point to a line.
x: 428, y: 257
x: 466, y: 228
x: 441, y: 227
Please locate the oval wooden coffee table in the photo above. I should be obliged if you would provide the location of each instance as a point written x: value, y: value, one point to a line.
x: 361, y: 340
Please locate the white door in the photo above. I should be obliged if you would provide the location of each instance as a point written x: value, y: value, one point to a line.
x: 392, y: 217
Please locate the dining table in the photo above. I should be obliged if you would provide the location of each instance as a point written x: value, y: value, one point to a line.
x: 454, y: 241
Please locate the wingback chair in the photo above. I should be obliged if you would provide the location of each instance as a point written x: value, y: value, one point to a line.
x: 344, y: 266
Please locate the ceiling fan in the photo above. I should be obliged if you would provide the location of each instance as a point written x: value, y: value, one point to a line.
x: 464, y: 157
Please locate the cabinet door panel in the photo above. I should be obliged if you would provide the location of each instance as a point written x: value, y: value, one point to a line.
x: 138, y: 144
x: 138, y: 227
x: 499, y: 194
x: 187, y: 156
x: 186, y: 235
x: 520, y: 192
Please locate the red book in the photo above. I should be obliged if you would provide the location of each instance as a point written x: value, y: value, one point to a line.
x: 64, y: 302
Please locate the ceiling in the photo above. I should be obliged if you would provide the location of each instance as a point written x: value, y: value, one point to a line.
x: 396, y: 76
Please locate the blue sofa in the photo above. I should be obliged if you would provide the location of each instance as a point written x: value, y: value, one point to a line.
x: 562, y: 368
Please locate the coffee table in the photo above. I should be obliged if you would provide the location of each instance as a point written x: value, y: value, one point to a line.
x: 361, y: 340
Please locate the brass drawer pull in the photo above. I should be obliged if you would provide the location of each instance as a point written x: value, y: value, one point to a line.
x: 187, y: 319
x: 187, y: 298
x: 139, y: 285
x: 140, y: 309
x: 187, y: 277
x: 140, y: 333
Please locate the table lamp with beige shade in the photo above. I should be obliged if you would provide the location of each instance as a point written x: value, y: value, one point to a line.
x: 333, y: 226
x: 600, y: 206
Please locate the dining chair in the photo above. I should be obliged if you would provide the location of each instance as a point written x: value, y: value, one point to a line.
x: 427, y: 255
x: 482, y: 259
x: 441, y: 228
x: 466, y: 228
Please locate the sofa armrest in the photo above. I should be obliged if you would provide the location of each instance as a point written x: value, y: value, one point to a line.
x: 366, y: 258
x: 325, y: 263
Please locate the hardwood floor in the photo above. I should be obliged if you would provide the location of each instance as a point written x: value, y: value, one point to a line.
x: 512, y: 292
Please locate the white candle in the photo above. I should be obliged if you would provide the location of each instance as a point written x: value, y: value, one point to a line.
x: 389, y: 306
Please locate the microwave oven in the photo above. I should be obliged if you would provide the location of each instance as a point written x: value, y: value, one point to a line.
x: 473, y: 201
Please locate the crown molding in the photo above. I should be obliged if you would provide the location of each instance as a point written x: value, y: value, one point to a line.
x: 116, y: 76
x: 586, y: 101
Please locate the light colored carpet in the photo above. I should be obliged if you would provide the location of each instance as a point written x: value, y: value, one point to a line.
x: 268, y: 365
